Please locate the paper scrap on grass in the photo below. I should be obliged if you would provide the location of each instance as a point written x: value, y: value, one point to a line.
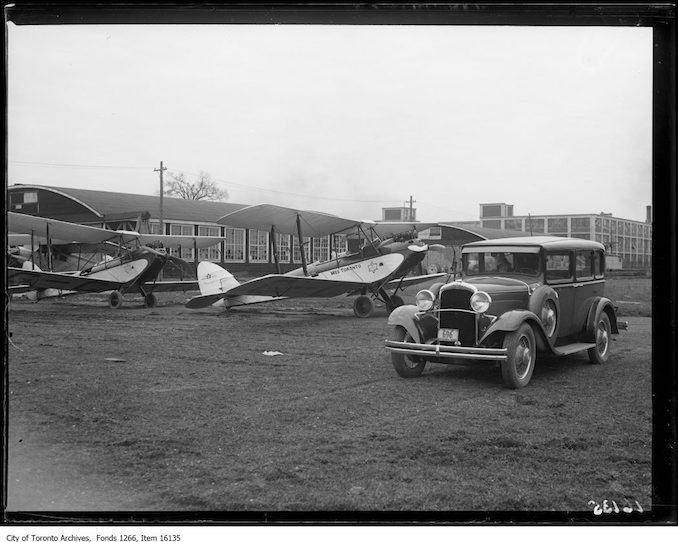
x: 272, y: 353
x: 119, y: 360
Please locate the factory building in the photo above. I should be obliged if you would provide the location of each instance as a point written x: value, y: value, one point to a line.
x: 629, y: 242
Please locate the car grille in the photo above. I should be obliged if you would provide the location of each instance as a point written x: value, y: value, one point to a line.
x: 463, y: 319
x: 456, y: 298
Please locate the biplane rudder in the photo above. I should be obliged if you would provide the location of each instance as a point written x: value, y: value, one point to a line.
x: 214, y: 279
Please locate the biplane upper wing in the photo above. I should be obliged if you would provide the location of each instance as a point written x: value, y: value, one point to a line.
x: 287, y: 220
x: 293, y: 286
x: 60, y: 232
x: 40, y: 280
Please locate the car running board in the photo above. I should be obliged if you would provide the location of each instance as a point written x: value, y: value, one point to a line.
x: 573, y: 348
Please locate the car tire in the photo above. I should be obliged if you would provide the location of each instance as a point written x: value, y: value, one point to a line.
x: 363, y: 306
x: 115, y: 299
x: 602, y: 338
x: 521, y: 354
x: 545, y: 305
x: 406, y: 366
x: 150, y: 300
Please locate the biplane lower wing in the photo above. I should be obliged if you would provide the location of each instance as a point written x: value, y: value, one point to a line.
x: 41, y: 280
x: 411, y: 281
x: 172, y: 286
x: 293, y: 286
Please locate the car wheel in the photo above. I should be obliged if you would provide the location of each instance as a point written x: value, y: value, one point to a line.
x: 363, y: 306
x: 521, y: 354
x: 600, y: 352
x: 150, y: 300
x: 405, y: 365
x: 115, y: 299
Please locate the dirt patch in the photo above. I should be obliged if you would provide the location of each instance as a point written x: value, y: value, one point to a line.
x: 173, y: 409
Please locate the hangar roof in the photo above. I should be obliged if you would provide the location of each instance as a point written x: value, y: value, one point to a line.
x: 107, y: 204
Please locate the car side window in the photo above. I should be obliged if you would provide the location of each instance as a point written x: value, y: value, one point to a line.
x: 584, y: 265
x: 598, y: 264
x: 558, y: 267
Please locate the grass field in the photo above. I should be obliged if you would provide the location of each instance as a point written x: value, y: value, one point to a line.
x: 177, y: 410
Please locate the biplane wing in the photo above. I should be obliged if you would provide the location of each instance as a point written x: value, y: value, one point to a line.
x: 293, y: 286
x: 59, y: 232
x: 411, y: 281
x: 285, y: 220
x: 29, y: 279
x: 172, y: 285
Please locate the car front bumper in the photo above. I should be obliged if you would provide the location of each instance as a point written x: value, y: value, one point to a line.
x: 441, y: 352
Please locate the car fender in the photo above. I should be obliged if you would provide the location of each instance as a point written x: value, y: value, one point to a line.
x: 405, y: 316
x: 510, y: 321
x: 598, y: 305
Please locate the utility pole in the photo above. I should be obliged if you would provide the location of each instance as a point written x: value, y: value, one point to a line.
x: 162, y: 190
x: 410, y: 217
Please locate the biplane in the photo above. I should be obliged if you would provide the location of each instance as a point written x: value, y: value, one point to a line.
x: 124, y: 262
x: 377, y: 271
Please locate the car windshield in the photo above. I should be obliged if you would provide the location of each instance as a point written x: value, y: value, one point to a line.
x: 496, y: 262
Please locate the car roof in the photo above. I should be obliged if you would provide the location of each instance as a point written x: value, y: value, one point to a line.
x: 546, y: 241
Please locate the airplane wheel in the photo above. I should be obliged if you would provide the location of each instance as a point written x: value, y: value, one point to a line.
x: 150, y: 300
x: 363, y: 306
x: 115, y: 299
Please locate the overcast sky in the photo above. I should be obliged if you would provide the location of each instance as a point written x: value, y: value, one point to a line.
x: 342, y: 119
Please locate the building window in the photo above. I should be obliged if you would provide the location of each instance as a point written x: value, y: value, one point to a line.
x: 580, y: 224
x: 234, y: 245
x: 296, y: 253
x: 321, y: 249
x: 24, y: 202
x: 339, y: 245
x: 494, y: 224
x: 557, y: 225
x: 212, y: 253
x: 514, y: 224
x: 154, y: 228
x: 490, y: 211
x: 185, y: 253
x: 284, y: 249
x: 534, y: 225
x: 258, y: 246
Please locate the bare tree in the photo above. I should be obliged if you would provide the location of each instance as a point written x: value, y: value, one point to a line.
x: 204, y: 188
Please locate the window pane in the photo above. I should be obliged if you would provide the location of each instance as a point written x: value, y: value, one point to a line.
x: 234, y: 245
x: 558, y: 266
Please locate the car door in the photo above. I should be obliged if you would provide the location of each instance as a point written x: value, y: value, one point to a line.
x: 588, y: 285
x: 559, y: 270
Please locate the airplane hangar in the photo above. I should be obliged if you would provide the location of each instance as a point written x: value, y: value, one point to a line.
x: 241, y: 250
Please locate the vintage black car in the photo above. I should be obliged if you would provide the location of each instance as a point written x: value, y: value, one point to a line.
x: 516, y: 297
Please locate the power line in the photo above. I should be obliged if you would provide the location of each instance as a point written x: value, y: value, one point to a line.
x: 94, y: 166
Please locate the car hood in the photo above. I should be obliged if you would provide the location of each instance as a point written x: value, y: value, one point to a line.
x: 498, y: 285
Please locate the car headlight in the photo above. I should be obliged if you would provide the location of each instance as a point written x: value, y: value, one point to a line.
x: 424, y: 300
x: 480, y: 301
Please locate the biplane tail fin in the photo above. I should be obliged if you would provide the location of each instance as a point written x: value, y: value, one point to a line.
x: 214, y: 279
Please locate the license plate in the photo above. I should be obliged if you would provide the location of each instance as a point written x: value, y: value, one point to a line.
x: 448, y: 334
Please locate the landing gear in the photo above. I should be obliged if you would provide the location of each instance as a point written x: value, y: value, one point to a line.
x: 150, y: 300
x: 363, y: 306
x: 115, y: 299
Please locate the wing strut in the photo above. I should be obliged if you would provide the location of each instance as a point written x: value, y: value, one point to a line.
x: 301, y: 246
x: 275, y: 250
x: 49, y: 247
